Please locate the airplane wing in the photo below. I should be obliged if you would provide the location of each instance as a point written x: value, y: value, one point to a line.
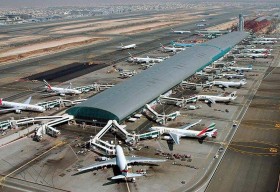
x: 211, y: 100
x: 28, y: 100
x: 175, y: 137
x: 225, y: 85
x: 190, y: 125
x: 142, y: 160
x: 8, y: 110
x: 98, y: 165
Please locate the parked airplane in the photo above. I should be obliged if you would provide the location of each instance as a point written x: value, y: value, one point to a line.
x: 252, y: 55
x: 60, y: 91
x: 130, y: 46
x: 263, y: 42
x: 240, y: 69
x: 122, y: 161
x: 233, y: 76
x: 266, y: 39
x: 256, y: 50
x: 180, y: 32
x: 145, y: 59
x: 18, y: 107
x: 212, y: 99
x: 227, y: 84
x: 176, y: 44
x: 172, y: 49
x: 176, y: 133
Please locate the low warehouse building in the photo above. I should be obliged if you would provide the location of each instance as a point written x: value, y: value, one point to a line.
x: 120, y: 101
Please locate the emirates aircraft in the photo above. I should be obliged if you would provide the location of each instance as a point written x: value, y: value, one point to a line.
x: 18, y: 107
x: 122, y: 161
x: 176, y: 133
x: 60, y: 91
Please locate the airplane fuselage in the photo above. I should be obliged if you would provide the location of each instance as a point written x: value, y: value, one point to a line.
x: 182, y: 132
x: 228, y: 84
x: 64, y: 91
x: 121, y: 160
x: 22, y: 106
x: 215, y: 98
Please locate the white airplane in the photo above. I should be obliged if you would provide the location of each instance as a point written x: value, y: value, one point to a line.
x: 227, y: 84
x: 60, y: 91
x: 145, y: 59
x: 256, y: 50
x: 233, y: 76
x: 266, y: 39
x: 240, y: 69
x: 258, y: 55
x: 212, y: 99
x: 263, y: 42
x: 172, y: 49
x: 200, y: 24
x: 122, y: 162
x: 252, y: 55
x: 176, y: 133
x: 130, y: 46
x: 18, y: 107
x: 180, y: 32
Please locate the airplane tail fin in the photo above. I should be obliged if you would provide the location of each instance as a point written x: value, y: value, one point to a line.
x: 28, y: 100
x: 162, y: 46
x: 47, y: 85
x: 1, y: 101
x: 207, y: 130
x: 250, y: 66
x: 121, y: 44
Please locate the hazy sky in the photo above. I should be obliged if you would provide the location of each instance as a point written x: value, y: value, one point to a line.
x: 84, y: 3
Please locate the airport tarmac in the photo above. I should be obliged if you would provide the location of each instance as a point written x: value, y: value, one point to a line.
x: 54, y: 169
x: 252, y: 161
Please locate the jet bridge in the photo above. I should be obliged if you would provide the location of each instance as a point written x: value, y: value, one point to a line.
x: 181, y: 102
x: 47, y: 128
x: 108, y: 148
x: 161, y: 119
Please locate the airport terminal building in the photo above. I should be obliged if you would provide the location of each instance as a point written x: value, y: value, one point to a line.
x: 122, y: 100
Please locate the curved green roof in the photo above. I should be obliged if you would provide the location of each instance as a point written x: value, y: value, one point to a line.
x: 129, y: 96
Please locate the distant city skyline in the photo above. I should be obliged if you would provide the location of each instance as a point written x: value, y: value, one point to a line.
x: 91, y: 3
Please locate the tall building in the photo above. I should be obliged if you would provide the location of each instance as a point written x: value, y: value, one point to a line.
x: 241, y: 23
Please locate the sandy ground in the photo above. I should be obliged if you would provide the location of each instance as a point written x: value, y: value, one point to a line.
x: 98, y: 25
x: 138, y: 28
x: 45, y: 45
x: 3, y: 36
x: 93, y: 23
x: 122, y: 22
x: 47, y: 48
x: 223, y: 26
x: 21, y: 39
